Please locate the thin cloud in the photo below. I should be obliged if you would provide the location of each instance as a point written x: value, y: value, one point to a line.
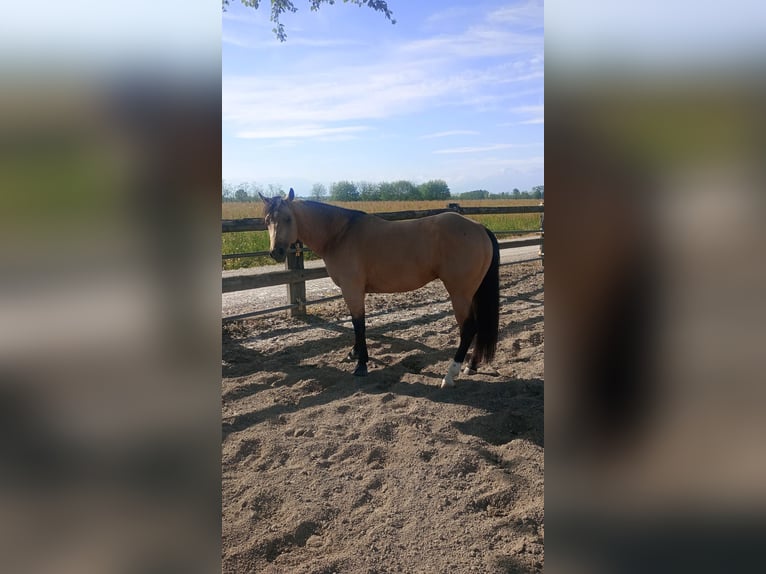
x: 537, y: 112
x: 502, y: 32
x: 300, y: 132
x: 526, y: 14
x: 476, y: 42
x: 280, y: 144
x: 450, y: 133
x: 323, y: 42
x: 354, y: 93
x: 500, y: 165
x: 249, y: 41
x: 529, y: 109
x: 477, y: 149
x: 341, y: 137
x: 234, y: 40
x: 450, y: 15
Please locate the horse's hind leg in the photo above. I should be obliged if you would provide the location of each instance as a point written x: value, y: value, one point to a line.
x: 468, y: 328
x: 472, y: 367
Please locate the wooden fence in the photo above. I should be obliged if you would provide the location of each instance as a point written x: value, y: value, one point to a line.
x: 295, y: 274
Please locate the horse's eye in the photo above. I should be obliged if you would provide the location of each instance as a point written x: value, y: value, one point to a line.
x: 288, y: 219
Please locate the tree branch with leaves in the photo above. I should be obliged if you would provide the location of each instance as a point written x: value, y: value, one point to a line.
x: 279, y: 7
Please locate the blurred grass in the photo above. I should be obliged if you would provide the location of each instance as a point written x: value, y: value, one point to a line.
x: 57, y: 180
x: 252, y: 241
x: 246, y: 242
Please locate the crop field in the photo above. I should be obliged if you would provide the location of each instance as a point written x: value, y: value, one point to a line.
x: 251, y: 241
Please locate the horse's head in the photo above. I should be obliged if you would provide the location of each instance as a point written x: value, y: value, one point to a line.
x: 283, y: 231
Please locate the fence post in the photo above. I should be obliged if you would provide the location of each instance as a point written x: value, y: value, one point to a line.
x: 542, y: 238
x: 296, y: 292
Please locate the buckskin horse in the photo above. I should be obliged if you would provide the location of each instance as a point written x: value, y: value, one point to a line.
x: 364, y: 254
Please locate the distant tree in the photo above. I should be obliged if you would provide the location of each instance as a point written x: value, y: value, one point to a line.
x: 279, y: 7
x: 387, y: 191
x: 344, y: 191
x: 475, y: 194
x: 405, y: 190
x: 318, y: 192
x: 274, y: 189
x: 434, y: 189
x: 538, y: 192
x: 516, y: 193
x: 227, y: 191
x: 241, y: 195
x: 253, y: 189
x: 368, y: 191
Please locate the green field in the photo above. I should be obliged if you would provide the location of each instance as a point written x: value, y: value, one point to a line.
x: 250, y: 241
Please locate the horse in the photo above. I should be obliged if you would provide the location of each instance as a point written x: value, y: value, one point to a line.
x: 364, y: 254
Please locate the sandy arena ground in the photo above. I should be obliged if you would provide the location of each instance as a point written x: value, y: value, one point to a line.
x: 325, y: 472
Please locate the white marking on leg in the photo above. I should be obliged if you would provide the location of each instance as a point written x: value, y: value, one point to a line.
x: 469, y: 371
x: 452, y: 371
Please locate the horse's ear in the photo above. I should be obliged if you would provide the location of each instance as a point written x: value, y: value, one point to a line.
x: 291, y: 195
x: 264, y: 199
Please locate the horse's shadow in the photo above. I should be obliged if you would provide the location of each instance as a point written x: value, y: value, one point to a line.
x: 241, y: 360
x: 513, y: 408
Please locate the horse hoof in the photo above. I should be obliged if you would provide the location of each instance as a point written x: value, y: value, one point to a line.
x: 469, y: 371
x: 447, y: 384
x: 360, y: 371
x: 352, y: 356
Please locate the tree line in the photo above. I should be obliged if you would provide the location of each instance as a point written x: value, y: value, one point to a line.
x: 249, y: 191
x: 537, y: 192
x: 400, y: 190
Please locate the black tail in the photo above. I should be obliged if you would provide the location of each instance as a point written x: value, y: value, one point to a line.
x: 486, y: 308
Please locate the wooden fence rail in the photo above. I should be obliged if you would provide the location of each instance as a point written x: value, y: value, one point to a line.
x: 294, y: 276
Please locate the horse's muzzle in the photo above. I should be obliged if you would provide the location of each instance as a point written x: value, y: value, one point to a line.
x: 278, y: 254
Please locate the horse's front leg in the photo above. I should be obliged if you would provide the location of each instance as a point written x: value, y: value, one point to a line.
x: 360, y: 346
x: 355, y: 301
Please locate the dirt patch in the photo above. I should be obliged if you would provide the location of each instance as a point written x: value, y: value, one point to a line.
x: 325, y: 472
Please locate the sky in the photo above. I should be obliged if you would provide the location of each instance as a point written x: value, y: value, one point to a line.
x: 452, y: 91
